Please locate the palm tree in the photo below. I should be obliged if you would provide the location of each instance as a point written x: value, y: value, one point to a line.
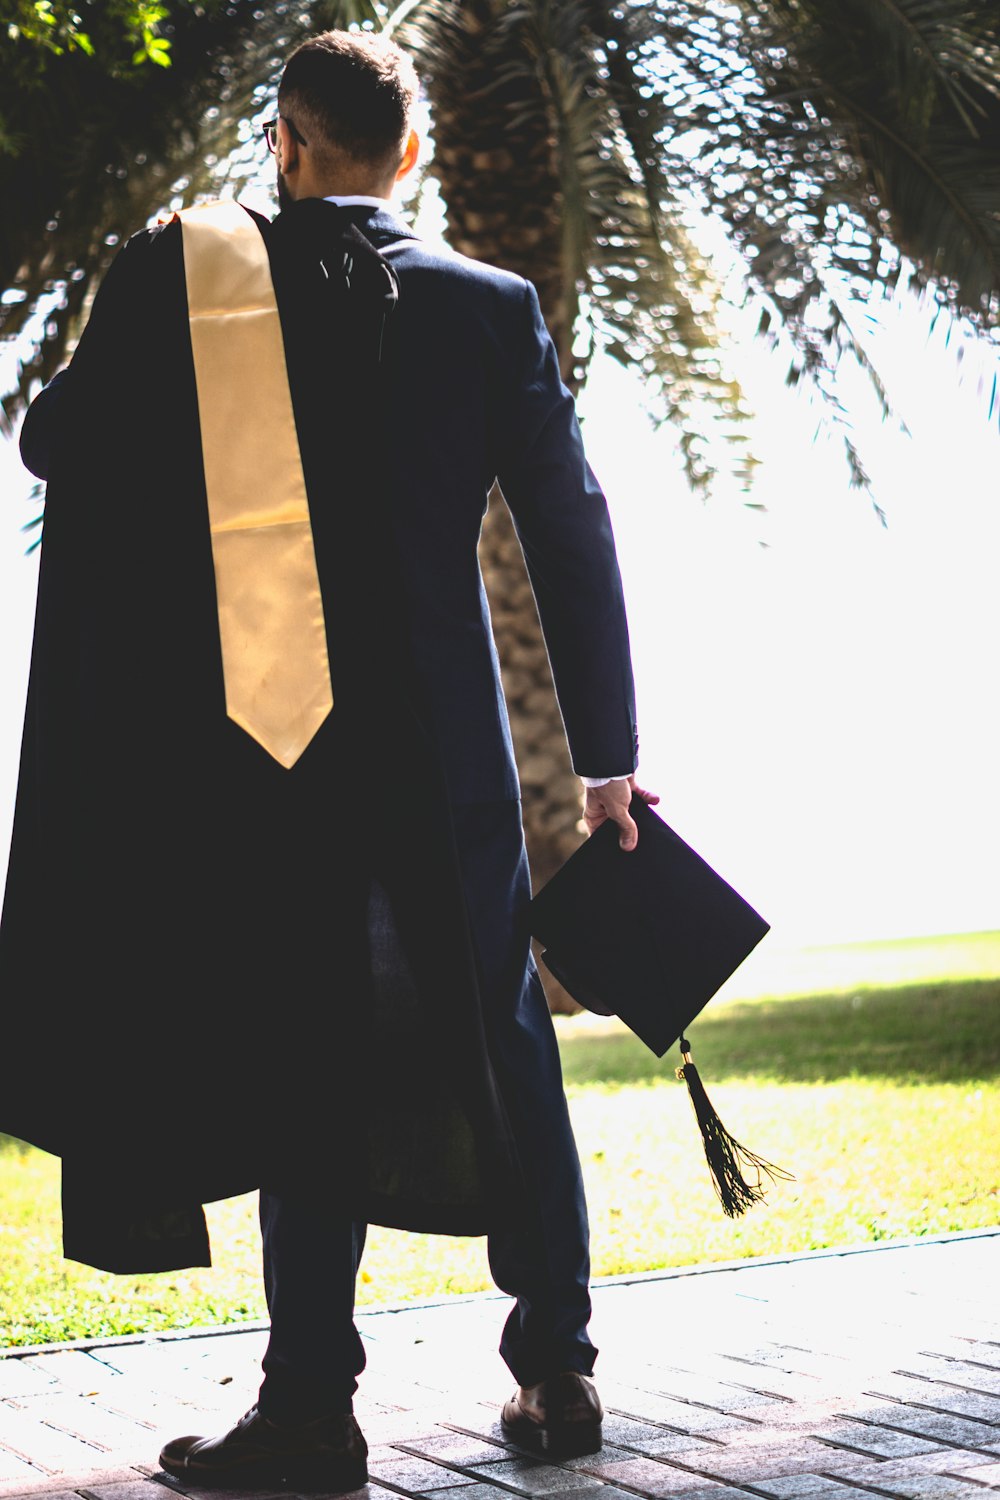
x: 578, y: 142
x: 573, y: 141
x: 545, y: 151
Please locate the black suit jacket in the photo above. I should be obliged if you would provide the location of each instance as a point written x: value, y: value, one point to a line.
x: 473, y: 394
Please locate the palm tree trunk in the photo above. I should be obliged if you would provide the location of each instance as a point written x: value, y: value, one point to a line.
x: 501, y: 192
x: 550, y: 792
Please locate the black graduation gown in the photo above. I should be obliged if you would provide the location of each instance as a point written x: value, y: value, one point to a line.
x: 185, y: 979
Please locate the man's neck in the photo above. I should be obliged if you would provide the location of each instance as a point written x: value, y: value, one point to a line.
x: 346, y: 186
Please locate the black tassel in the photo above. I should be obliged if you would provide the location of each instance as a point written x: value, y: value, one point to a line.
x: 727, y: 1159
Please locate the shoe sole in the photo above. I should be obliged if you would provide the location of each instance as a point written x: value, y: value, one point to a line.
x: 573, y: 1440
x: 338, y: 1477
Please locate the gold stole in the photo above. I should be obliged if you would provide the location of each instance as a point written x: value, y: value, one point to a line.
x: 271, y: 623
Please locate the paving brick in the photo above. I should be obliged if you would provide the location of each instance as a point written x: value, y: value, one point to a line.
x: 953, y: 1372
x: 530, y: 1477
x: 73, y: 1369
x: 88, y: 1421
x: 225, y: 1357
x: 866, y: 1407
x: 167, y: 1368
x: 13, y: 1493
x: 959, y: 1431
x: 813, y: 1417
x: 14, y: 1468
x: 479, y: 1422
x: 673, y: 1442
x: 713, y: 1394
x: 414, y: 1474
x: 169, y: 1482
x: 19, y: 1378
x: 589, y: 1489
x: 370, y: 1492
x: 660, y: 1480
x: 984, y: 1406
x: 682, y: 1417
x: 55, y: 1486
x: 609, y: 1453
x: 980, y: 1351
x: 805, y: 1487
x: 160, y: 1414
x: 769, y: 1379
x: 477, y: 1492
x: 944, y: 1461
x: 456, y: 1448
x: 596, y: 1490
x: 51, y: 1451
x: 160, y: 1482
x: 882, y: 1442
x: 744, y: 1463
x: 628, y: 1431
x: 430, y: 1394
x: 711, y: 1492
x: 134, y: 1489
x: 410, y: 1428
x: 823, y: 1364
x: 984, y: 1474
x: 936, y: 1487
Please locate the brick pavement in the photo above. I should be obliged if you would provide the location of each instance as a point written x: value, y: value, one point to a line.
x: 816, y: 1378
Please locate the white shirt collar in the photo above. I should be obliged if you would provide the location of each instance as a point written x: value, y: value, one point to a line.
x: 346, y: 199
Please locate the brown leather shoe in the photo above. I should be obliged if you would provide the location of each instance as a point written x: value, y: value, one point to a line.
x: 329, y: 1454
x: 560, y: 1417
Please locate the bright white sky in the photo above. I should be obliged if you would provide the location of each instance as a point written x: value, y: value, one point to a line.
x: 821, y: 715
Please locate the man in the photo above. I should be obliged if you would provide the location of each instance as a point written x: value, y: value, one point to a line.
x: 245, y: 906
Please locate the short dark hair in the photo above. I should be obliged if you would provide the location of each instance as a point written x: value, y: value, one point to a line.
x: 351, y: 92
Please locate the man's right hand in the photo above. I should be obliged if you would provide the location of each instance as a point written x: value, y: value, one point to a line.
x: 611, y: 801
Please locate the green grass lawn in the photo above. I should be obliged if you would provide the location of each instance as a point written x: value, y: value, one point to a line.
x: 883, y: 1099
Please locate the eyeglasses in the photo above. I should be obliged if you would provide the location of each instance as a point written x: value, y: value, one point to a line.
x: 270, y: 133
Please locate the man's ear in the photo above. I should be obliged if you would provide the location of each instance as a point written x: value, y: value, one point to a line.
x: 287, y: 148
x: 410, y: 154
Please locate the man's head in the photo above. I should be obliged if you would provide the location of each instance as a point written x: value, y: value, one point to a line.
x: 345, y: 104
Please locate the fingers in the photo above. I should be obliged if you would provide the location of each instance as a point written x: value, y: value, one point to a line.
x: 611, y: 801
x: 593, y: 817
x: 628, y: 835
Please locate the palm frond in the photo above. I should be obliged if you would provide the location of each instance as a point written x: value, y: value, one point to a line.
x: 627, y: 278
x: 837, y: 142
x: 36, y: 496
x: 106, y: 154
x: 869, y: 121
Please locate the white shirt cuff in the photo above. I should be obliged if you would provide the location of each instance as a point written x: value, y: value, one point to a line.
x: 603, y: 780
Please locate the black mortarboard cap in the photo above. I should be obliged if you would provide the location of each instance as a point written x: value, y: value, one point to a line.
x: 650, y: 935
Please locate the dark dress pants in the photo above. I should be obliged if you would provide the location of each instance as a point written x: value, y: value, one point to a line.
x: 312, y: 1248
